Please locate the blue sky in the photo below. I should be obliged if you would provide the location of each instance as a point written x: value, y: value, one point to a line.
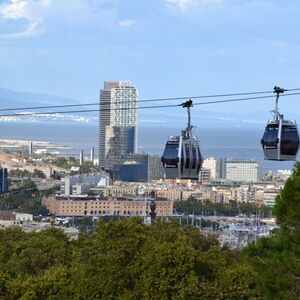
x: 165, y: 47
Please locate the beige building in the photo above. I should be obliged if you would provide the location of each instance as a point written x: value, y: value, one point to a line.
x: 244, y: 194
x: 224, y: 195
x: 174, y: 194
x: 96, y: 206
x: 186, y: 195
x: 211, y: 165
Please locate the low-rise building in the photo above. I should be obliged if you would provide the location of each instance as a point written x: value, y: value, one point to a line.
x: 10, y: 218
x: 102, y: 206
x: 79, y: 184
x: 173, y: 194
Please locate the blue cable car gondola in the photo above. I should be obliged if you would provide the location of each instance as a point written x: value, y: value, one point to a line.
x: 281, y: 139
x: 182, y: 157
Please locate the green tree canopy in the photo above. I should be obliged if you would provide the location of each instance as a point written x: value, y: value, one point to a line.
x: 277, y: 259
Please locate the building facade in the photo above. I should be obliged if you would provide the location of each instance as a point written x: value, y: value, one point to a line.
x: 241, y: 170
x: 211, y: 164
x: 138, y: 168
x: 81, y: 184
x: 105, y: 206
x: 118, y: 122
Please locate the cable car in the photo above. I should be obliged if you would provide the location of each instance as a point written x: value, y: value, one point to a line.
x: 182, y: 157
x: 281, y: 139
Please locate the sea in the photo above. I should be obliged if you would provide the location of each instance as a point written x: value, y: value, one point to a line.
x: 235, y: 143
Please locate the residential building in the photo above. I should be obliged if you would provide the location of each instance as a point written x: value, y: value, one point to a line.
x: 211, y: 164
x: 244, y: 193
x: 118, y: 122
x: 269, y: 196
x: 170, y: 194
x: 204, y: 175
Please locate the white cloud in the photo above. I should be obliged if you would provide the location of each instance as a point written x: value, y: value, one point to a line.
x: 33, y: 29
x: 30, y: 10
x: 184, y: 5
x: 181, y: 4
x: 34, y: 17
x: 126, y: 23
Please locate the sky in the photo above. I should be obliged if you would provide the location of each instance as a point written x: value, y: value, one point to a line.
x: 167, y: 48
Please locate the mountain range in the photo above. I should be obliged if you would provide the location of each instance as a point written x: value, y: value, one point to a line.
x: 10, y: 99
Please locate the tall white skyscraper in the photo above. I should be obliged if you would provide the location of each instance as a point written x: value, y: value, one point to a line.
x: 117, y: 122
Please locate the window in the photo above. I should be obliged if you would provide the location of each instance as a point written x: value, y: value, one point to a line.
x: 170, y: 155
x: 194, y: 158
x: 187, y: 154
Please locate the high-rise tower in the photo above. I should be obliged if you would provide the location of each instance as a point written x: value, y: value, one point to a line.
x: 3, y: 180
x: 118, y: 122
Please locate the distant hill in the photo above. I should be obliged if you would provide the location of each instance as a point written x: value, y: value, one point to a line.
x: 11, y: 99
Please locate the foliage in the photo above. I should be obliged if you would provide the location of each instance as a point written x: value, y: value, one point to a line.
x: 86, y: 167
x: 61, y: 162
x: 28, y: 184
x: 232, y: 208
x: 277, y: 259
x: 19, y: 173
x: 287, y: 207
x: 38, y: 173
x: 26, y: 173
x: 125, y: 259
x: 121, y: 260
x: 24, y: 201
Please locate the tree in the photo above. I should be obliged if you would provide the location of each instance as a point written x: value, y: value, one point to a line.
x: 287, y: 207
x: 38, y: 173
x: 122, y: 259
x: 277, y: 259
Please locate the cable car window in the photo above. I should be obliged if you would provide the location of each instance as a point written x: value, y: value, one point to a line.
x: 200, y: 160
x: 181, y: 160
x: 289, y: 140
x: 270, y: 136
x: 194, y: 158
x: 187, y: 153
x: 170, y: 155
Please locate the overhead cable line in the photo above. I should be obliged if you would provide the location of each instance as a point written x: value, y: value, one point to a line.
x: 241, y: 99
x: 142, y: 107
x: 143, y: 100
